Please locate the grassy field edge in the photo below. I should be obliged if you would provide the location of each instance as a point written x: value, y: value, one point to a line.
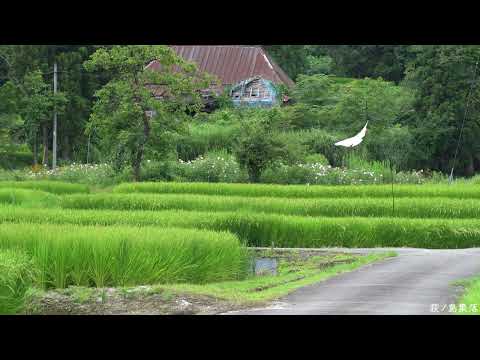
x: 242, y: 292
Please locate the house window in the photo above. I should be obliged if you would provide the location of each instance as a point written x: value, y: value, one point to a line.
x: 254, y: 92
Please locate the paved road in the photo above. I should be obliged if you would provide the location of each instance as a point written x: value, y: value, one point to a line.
x: 407, y: 284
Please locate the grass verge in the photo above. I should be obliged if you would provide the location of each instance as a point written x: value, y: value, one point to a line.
x: 219, y: 297
x: 291, y: 276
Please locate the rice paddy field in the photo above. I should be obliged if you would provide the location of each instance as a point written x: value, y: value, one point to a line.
x: 57, y: 235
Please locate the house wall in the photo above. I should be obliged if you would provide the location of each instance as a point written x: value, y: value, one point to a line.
x: 255, y: 92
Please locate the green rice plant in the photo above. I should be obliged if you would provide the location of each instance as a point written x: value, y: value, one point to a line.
x: 460, y: 191
x: 27, y: 198
x: 16, y: 276
x: 365, y: 207
x: 258, y: 229
x: 54, y: 187
x: 113, y: 256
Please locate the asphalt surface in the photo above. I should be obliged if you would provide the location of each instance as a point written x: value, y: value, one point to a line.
x: 408, y: 284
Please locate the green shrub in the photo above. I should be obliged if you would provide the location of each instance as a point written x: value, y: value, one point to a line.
x: 205, y: 137
x: 16, y: 276
x: 259, y: 146
x: 259, y: 229
x: 54, y: 187
x: 113, y: 256
x: 316, y: 159
x: 299, y: 117
x: 16, y: 160
x: 28, y: 198
x: 331, y: 207
x: 315, y: 90
x: 160, y: 171
x: 322, y: 141
x: 393, y: 144
x: 319, y: 64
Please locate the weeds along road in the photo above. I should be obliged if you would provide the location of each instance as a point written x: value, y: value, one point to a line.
x: 407, y: 284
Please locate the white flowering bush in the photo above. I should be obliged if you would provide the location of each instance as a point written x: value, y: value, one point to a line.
x: 91, y: 174
x: 321, y: 174
x: 213, y: 167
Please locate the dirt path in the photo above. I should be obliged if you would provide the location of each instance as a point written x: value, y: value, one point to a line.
x: 407, y: 284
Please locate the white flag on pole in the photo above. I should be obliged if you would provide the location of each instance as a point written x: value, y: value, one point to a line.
x: 353, y: 141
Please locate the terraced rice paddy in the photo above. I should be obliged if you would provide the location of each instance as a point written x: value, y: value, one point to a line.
x: 458, y: 191
x: 113, y: 256
x: 196, y: 233
x: 54, y: 187
x: 416, y: 207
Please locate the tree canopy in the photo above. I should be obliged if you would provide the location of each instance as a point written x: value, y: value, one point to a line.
x: 111, y: 108
x: 127, y: 116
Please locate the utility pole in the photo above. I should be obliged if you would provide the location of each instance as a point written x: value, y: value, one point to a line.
x: 54, y: 147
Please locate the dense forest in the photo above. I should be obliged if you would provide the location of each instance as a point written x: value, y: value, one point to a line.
x: 415, y: 97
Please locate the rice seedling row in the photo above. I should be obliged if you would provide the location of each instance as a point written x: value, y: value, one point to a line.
x: 461, y: 191
x: 365, y: 207
x: 54, y: 187
x: 111, y: 256
x: 28, y: 198
x: 280, y: 230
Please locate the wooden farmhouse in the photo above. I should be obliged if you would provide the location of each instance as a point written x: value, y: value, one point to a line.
x: 247, y: 72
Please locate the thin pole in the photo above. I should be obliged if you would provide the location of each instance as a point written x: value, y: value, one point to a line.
x: 450, y: 178
x: 393, y: 193
x: 88, y: 149
x: 54, y: 155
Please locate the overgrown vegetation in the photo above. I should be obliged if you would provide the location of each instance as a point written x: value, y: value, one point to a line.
x: 469, y: 302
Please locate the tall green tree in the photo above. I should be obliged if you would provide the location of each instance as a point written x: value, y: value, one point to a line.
x: 77, y: 84
x: 442, y: 76
x: 36, y: 105
x: 291, y: 58
x: 260, y: 143
x: 10, y: 121
x: 127, y: 116
x: 79, y: 87
x: 386, y: 61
